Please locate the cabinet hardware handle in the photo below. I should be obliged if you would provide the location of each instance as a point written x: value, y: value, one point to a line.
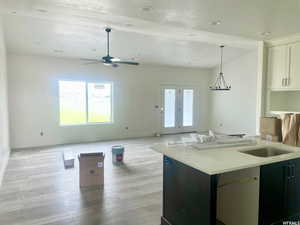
x: 288, y: 172
x: 293, y: 171
x: 284, y: 82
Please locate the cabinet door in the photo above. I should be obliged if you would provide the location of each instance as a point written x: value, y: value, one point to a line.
x: 293, y: 189
x: 294, y: 66
x: 277, y: 67
x: 189, y: 196
x: 272, y: 193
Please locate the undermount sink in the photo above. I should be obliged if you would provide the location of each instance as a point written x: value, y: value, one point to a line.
x: 266, y: 152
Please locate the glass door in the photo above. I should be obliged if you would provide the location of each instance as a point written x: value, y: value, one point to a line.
x: 178, y: 109
x: 170, y: 105
x: 188, y: 107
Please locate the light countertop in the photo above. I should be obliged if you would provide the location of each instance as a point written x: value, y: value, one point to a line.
x: 221, y: 160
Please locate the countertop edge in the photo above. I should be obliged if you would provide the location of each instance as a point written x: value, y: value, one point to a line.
x: 294, y: 155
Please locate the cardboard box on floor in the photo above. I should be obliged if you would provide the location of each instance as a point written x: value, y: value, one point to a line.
x: 91, y: 169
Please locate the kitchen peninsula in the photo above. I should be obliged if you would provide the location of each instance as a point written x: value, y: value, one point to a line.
x: 246, y: 185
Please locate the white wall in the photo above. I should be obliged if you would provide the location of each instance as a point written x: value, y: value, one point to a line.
x: 4, y: 127
x: 33, y: 99
x: 235, y: 111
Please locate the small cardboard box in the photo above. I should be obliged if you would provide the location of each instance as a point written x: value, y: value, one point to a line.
x: 91, y: 169
x: 68, y: 158
x: 270, y: 126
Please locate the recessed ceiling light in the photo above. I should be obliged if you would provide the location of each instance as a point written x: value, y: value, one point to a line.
x: 147, y: 8
x: 215, y: 23
x: 42, y: 10
x: 58, y: 51
x: 128, y: 24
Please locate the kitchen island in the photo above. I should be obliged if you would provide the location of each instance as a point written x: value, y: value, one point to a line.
x: 229, y: 185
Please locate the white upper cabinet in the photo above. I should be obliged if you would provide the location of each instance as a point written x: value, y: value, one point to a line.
x: 284, y: 67
x: 278, y: 67
x: 294, y: 54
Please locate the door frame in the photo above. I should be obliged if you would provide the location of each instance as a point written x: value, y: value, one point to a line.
x: 179, y: 128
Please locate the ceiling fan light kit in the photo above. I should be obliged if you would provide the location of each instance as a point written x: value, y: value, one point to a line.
x: 109, y: 60
x: 220, y: 82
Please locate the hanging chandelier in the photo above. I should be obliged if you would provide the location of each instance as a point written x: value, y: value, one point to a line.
x: 220, y: 83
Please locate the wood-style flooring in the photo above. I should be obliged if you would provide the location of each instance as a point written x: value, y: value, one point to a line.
x: 37, y: 189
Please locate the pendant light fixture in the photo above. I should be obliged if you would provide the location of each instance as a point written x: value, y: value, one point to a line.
x: 220, y: 83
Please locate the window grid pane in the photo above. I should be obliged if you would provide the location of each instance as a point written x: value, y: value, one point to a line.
x: 99, y: 102
x: 72, y: 102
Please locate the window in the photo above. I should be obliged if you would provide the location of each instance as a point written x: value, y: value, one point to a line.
x: 83, y: 103
x: 72, y: 102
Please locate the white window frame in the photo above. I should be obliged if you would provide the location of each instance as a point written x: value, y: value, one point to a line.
x: 87, y: 104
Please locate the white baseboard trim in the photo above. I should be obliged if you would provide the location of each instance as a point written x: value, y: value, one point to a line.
x: 3, y: 165
x: 44, y: 146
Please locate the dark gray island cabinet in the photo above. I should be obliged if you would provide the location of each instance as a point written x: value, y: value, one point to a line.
x: 266, y: 195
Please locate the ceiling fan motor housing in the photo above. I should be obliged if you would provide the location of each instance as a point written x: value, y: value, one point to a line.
x: 107, y: 58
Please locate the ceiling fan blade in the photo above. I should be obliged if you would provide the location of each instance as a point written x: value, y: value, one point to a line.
x: 128, y: 63
x: 91, y: 60
x: 115, y: 59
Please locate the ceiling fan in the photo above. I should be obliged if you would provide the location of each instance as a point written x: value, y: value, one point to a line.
x: 109, y: 60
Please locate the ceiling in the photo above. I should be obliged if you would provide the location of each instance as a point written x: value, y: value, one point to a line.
x: 169, y: 32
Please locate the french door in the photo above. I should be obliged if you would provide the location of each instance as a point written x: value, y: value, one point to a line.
x: 178, y: 109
